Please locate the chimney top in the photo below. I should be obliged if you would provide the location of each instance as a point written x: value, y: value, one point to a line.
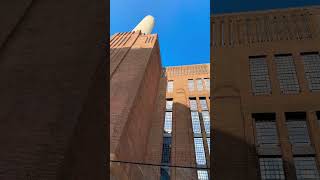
x: 146, y: 25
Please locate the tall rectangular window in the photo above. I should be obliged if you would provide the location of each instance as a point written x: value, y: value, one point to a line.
x: 195, y: 122
x: 193, y: 104
x: 306, y: 168
x: 168, y: 122
x: 206, y: 121
x: 199, y: 150
x: 266, y: 128
x: 208, y: 141
x: 271, y: 168
x: 203, y: 175
x: 287, y: 75
x: 199, y: 84
x: 203, y: 103
x: 311, y: 62
x: 297, y: 127
x: 169, y: 104
x: 170, y: 86
x: 164, y: 173
x: 207, y: 83
x: 166, y: 150
x: 260, y: 81
x: 190, y: 84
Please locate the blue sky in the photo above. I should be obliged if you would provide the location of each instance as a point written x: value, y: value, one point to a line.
x: 182, y: 25
x: 227, y: 6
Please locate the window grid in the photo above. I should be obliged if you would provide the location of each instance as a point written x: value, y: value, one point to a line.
x: 166, y: 150
x: 203, y: 175
x: 168, y: 122
x: 199, y: 151
x: 298, y: 132
x: 199, y: 84
x: 190, y: 84
x: 306, y: 168
x: 271, y: 168
x: 287, y: 75
x: 169, y: 105
x: 203, y: 104
x: 260, y: 81
x: 195, y: 122
x: 206, y: 121
x: 164, y: 173
x: 170, y: 86
x: 207, y: 83
x: 208, y: 142
x: 193, y: 105
x: 266, y: 132
x: 311, y: 64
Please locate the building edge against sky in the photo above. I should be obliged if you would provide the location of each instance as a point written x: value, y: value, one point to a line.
x: 143, y: 127
x: 265, y: 72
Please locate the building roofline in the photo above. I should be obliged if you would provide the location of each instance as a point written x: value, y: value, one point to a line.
x: 187, y: 65
x: 267, y: 11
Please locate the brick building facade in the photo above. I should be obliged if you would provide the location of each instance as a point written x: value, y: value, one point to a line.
x: 154, y: 132
x: 266, y: 82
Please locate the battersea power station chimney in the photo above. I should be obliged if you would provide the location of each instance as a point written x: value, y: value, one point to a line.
x: 146, y: 25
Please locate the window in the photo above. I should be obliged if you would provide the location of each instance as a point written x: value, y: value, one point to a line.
x: 306, y: 168
x: 206, y: 121
x: 169, y: 104
x: 170, y: 86
x: 203, y: 103
x: 193, y: 104
x: 168, y: 122
x: 287, y: 75
x: 208, y: 141
x: 195, y: 122
x: 266, y: 128
x: 202, y: 175
x: 260, y: 81
x: 199, y: 150
x: 191, y: 84
x: 199, y: 84
x: 207, y: 83
x: 164, y: 173
x: 311, y: 62
x: 166, y: 150
x: 271, y: 168
x: 297, y: 127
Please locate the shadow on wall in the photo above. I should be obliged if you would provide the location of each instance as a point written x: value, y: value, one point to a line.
x: 231, y: 158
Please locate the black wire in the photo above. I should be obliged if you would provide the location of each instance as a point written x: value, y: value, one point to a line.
x: 150, y: 164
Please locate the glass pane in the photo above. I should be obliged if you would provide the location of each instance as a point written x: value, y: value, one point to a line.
x: 199, y: 151
x: 199, y: 84
x: 195, y: 122
x: 287, y: 75
x: 259, y: 75
x: 266, y: 132
x: 202, y: 175
x: 193, y: 105
x: 311, y: 64
x: 306, y: 168
x: 168, y: 122
x: 169, y: 105
x: 203, y: 104
x: 271, y: 168
x: 206, y: 121
x: 170, y: 86
x: 190, y: 84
